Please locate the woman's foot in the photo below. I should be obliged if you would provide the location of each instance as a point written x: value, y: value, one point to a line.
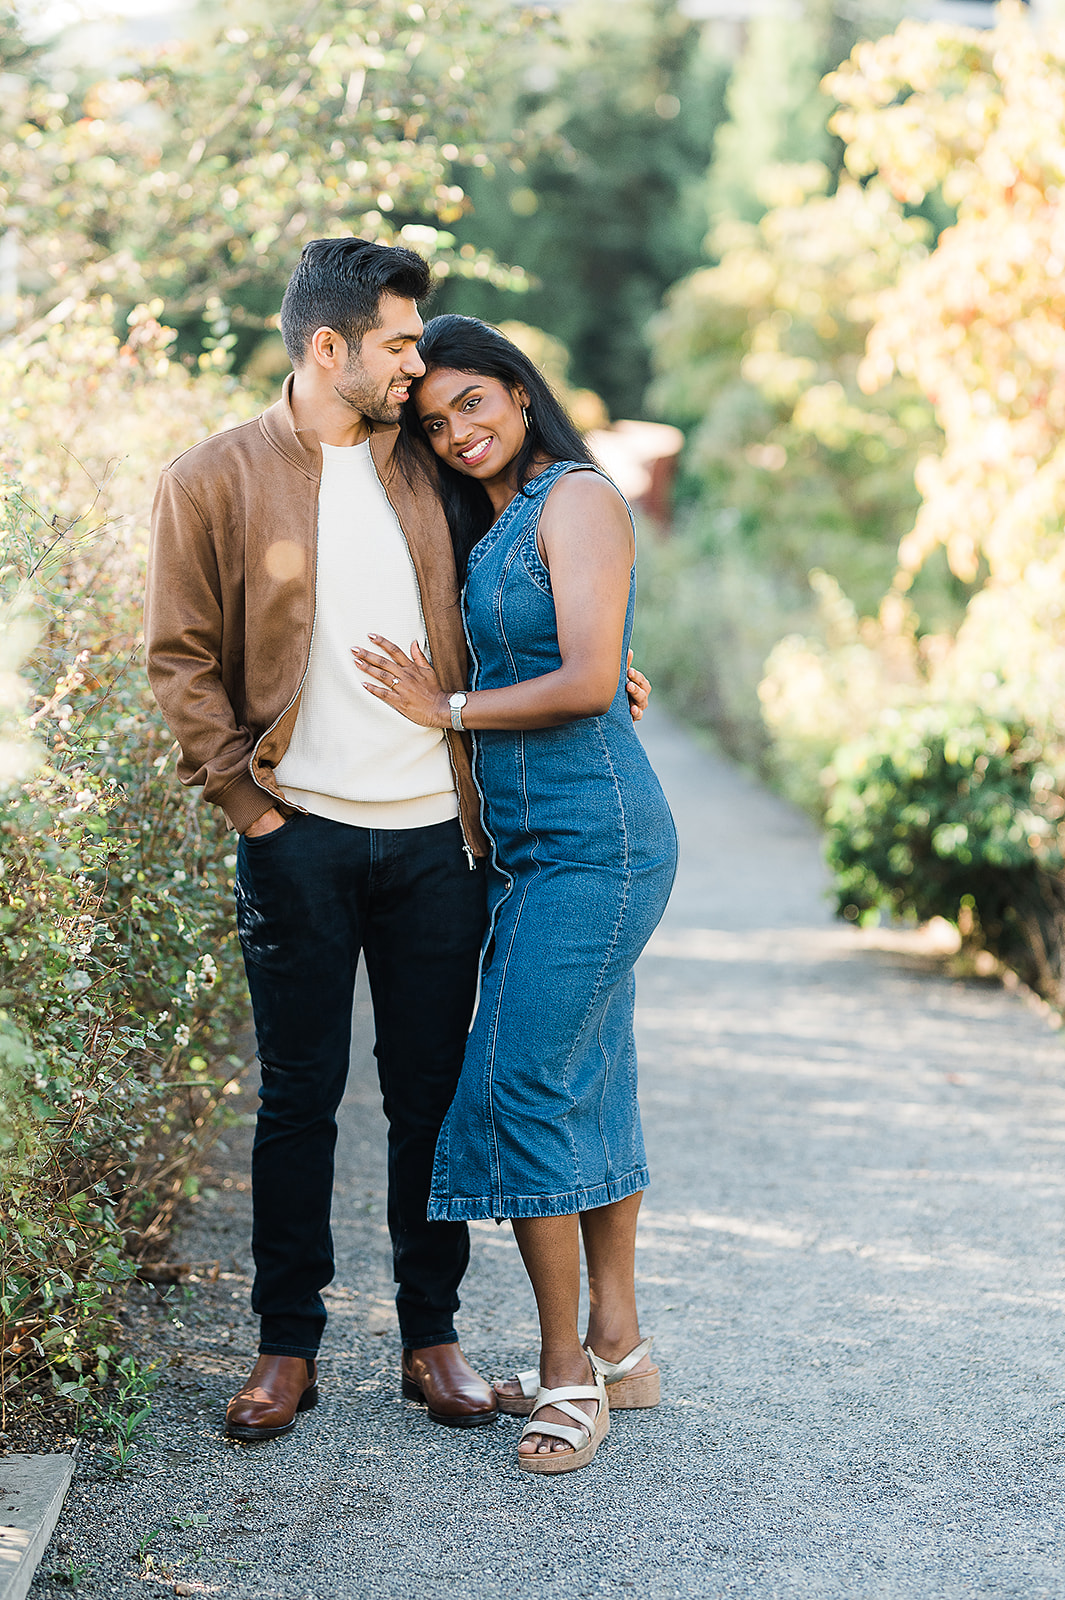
x: 608, y: 1348
x: 559, y: 1374
x: 632, y: 1380
x: 639, y: 1386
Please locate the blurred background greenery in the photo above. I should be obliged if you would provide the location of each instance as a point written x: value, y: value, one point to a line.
x: 825, y: 241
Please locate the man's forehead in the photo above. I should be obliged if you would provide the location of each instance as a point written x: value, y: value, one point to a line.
x: 398, y: 318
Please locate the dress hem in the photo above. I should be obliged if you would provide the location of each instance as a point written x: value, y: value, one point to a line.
x: 475, y: 1208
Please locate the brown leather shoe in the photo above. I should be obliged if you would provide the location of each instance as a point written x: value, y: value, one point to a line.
x: 442, y: 1379
x: 278, y: 1387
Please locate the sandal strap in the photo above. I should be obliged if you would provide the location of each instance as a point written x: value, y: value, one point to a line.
x: 584, y: 1432
x: 611, y: 1371
x: 572, y: 1391
x: 577, y: 1438
x: 528, y: 1381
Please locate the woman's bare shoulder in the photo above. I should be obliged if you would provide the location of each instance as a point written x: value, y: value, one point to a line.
x: 585, y: 494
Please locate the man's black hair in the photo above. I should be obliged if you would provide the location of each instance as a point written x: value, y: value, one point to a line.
x: 338, y: 284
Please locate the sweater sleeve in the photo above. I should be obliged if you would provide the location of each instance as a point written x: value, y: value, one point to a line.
x: 183, y: 630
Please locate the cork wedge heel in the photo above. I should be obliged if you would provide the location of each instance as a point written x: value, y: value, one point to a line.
x: 626, y: 1390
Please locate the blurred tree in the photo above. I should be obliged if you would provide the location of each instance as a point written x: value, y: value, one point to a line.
x: 793, y: 464
x: 979, y: 324
x: 978, y: 327
x: 776, y: 111
x: 197, y: 175
x: 602, y: 197
x: 759, y: 359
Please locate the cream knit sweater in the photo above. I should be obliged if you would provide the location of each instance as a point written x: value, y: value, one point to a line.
x: 351, y: 756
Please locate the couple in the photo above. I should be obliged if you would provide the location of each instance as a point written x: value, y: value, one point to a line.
x: 293, y: 560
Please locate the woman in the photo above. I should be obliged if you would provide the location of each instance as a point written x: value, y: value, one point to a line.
x: 545, y: 1126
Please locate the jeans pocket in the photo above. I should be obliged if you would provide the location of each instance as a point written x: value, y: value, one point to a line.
x: 275, y: 833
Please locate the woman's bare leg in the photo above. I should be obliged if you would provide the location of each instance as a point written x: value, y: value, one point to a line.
x: 550, y: 1249
x: 609, y: 1234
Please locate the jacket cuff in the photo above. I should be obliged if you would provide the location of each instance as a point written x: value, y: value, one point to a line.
x: 243, y: 802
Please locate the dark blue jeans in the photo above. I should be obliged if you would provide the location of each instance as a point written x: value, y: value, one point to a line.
x: 310, y: 897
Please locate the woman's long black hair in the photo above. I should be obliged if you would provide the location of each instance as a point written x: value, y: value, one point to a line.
x: 466, y: 344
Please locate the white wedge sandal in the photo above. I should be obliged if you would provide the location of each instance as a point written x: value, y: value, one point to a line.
x: 585, y: 1438
x: 625, y: 1390
x: 628, y: 1390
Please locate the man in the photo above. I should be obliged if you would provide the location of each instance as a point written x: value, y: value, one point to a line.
x: 276, y: 546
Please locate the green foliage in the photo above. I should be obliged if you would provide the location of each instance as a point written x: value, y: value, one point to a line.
x: 776, y: 112
x: 760, y: 359
x: 942, y: 811
x: 969, y: 828
x: 118, y: 969
x: 196, y: 175
x: 707, y: 617
x: 790, y: 467
x: 601, y: 197
x: 792, y: 464
x: 123, y: 1416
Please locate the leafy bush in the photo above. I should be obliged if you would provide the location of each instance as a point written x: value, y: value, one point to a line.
x: 791, y: 465
x: 119, y: 974
x: 949, y: 802
x: 707, y: 616
x: 943, y: 811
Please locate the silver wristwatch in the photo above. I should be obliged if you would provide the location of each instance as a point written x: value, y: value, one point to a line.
x: 456, y: 702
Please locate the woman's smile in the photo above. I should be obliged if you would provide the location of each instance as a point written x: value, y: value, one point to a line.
x: 455, y: 406
x: 472, y: 455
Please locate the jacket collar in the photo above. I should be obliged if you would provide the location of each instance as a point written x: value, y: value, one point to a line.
x: 301, y: 446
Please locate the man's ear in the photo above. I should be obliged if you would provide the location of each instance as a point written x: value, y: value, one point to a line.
x: 327, y: 349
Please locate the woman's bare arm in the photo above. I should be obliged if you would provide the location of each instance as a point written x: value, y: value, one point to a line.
x: 586, y: 541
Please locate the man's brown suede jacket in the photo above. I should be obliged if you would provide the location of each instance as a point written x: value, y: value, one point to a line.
x: 231, y: 599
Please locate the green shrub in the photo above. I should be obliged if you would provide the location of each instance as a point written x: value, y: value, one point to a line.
x: 118, y: 981
x: 707, y: 617
x: 119, y: 971
x: 945, y: 811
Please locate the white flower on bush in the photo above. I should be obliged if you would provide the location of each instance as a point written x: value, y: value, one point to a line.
x: 181, y: 1034
x: 205, y: 978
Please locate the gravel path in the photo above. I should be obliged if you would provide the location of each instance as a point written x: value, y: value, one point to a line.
x: 850, y: 1257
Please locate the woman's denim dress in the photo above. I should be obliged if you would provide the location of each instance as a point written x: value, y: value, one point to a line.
x: 545, y: 1120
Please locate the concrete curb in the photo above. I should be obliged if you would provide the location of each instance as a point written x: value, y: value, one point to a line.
x: 32, y: 1491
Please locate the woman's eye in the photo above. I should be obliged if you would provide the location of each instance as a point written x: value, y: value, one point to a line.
x: 474, y: 400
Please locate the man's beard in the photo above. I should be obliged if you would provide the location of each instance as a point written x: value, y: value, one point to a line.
x: 356, y: 389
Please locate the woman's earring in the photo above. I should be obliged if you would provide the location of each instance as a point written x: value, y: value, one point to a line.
x: 525, y: 416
